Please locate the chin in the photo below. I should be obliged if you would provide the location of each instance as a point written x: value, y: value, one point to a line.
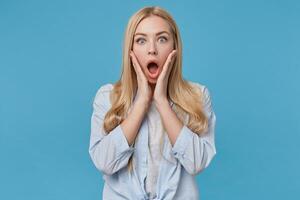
x: 151, y: 81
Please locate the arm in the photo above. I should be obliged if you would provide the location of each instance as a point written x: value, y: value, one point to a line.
x: 111, y: 152
x: 194, y: 152
x: 132, y: 123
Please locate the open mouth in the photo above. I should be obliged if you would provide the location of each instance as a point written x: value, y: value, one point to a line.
x: 152, y: 68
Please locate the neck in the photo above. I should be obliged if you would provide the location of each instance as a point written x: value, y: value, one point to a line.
x: 152, y: 87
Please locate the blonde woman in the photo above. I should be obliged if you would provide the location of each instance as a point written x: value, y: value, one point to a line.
x: 152, y: 131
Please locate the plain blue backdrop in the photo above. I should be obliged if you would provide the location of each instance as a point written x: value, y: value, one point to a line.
x: 54, y: 55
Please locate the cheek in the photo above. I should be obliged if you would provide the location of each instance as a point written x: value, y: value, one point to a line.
x: 165, y: 50
x: 165, y: 54
x: 140, y: 56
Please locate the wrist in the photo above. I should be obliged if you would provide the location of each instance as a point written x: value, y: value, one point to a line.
x: 161, y: 102
x: 142, y: 103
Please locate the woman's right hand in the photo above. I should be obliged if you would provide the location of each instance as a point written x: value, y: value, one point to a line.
x: 144, y: 92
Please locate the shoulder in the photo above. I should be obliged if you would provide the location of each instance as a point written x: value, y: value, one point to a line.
x: 198, y: 85
x: 107, y: 87
x: 102, y: 94
x: 205, y: 92
x: 207, y: 99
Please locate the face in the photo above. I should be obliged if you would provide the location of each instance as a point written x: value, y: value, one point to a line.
x: 152, y: 44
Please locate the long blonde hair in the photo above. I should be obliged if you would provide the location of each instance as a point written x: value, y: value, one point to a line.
x: 187, y: 99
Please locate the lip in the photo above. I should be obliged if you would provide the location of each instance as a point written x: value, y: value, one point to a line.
x: 153, y: 76
x: 152, y: 60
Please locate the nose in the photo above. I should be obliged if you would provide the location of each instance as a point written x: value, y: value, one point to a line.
x: 152, y: 49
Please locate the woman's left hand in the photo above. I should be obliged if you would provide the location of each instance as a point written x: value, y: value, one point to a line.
x: 160, y: 92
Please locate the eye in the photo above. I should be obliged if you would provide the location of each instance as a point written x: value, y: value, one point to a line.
x: 163, y: 39
x: 140, y: 40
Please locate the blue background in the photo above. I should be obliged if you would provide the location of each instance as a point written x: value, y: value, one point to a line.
x: 54, y: 55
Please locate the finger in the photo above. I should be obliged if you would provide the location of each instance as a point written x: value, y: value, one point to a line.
x: 133, y: 59
x: 172, y: 61
x: 169, y: 62
x: 173, y: 57
x: 135, y: 62
x: 136, y: 65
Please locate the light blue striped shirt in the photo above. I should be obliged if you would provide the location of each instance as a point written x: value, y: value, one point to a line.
x: 110, y: 153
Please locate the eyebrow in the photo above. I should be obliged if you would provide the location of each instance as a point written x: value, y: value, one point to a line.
x: 159, y: 33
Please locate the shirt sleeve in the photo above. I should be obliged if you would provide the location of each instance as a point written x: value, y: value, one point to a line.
x: 195, y: 152
x: 109, y: 152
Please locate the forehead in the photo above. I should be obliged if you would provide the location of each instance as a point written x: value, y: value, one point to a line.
x: 153, y: 24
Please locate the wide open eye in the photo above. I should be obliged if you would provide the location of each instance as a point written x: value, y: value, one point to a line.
x: 140, y: 40
x: 162, y: 39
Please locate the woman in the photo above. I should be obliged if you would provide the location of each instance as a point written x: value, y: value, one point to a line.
x: 152, y: 131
